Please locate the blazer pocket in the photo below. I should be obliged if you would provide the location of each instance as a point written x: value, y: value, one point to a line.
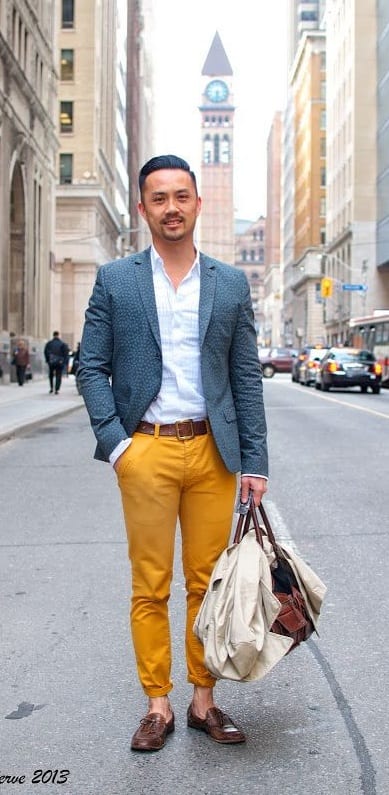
x: 230, y: 414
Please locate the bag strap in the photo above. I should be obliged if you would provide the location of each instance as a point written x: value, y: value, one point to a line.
x: 243, y: 525
x: 267, y: 524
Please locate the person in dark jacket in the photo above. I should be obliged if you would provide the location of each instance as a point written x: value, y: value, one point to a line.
x: 21, y: 358
x: 56, y: 354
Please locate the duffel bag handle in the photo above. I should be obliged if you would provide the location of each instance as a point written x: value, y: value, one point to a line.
x: 243, y: 524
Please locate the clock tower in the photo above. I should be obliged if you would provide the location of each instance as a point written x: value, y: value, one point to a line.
x: 217, y: 127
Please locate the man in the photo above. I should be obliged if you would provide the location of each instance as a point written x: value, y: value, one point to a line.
x: 169, y: 334
x: 56, y: 355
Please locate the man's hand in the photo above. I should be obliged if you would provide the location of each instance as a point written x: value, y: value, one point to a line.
x: 258, y: 487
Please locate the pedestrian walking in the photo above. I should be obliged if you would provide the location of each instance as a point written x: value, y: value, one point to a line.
x: 21, y: 359
x: 169, y: 334
x: 56, y: 354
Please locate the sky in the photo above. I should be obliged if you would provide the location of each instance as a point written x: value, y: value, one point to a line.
x: 253, y: 33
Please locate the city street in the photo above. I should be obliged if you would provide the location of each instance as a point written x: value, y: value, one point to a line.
x: 70, y: 699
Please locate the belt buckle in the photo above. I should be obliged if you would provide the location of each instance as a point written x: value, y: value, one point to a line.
x: 184, y: 437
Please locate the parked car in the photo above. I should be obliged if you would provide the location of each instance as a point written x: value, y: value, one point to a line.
x: 301, y: 357
x: 310, y: 364
x: 263, y: 352
x: 346, y: 367
x: 279, y: 360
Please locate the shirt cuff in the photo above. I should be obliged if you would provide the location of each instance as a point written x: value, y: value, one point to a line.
x: 248, y: 475
x: 119, y: 449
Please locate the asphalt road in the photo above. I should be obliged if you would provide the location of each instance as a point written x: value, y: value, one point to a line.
x: 70, y: 700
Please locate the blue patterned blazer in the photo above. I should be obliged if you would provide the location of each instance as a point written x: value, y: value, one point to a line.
x: 120, y: 368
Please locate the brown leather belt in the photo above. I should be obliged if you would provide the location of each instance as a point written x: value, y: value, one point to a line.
x: 182, y: 429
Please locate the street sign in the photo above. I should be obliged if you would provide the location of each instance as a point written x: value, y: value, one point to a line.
x: 361, y: 287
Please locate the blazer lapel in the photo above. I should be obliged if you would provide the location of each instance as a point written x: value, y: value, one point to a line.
x: 144, y: 277
x: 207, y: 294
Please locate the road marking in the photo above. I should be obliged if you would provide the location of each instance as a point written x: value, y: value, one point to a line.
x: 281, y: 531
x: 351, y: 405
x: 317, y: 394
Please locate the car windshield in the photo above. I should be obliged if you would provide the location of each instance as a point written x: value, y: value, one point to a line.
x: 317, y: 354
x: 281, y: 352
x: 356, y: 356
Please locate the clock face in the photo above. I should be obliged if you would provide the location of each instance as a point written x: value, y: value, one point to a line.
x: 217, y: 91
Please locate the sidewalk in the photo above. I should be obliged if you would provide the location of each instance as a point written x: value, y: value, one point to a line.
x: 24, y: 407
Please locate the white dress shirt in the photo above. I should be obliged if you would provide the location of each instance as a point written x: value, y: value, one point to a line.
x: 181, y: 394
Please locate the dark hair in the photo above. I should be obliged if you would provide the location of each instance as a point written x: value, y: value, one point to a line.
x: 164, y: 161
x: 55, y: 333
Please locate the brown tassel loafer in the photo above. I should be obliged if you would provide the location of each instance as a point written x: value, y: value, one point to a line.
x: 152, y: 732
x: 218, y: 725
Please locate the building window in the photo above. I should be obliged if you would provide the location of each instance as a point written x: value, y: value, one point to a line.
x: 323, y: 147
x: 323, y: 120
x: 225, y: 149
x: 216, y: 149
x: 67, y: 64
x: 323, y: 177
x: 66, y: 117
x: 308, y: 16
x: 322, y: 206
x: 68, y: 13
x: 207, y: 149
x: 65, y: 169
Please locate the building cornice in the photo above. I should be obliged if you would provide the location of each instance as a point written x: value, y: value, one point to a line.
x: 215, y: 108
x: 82, y: 193
x: 308, y: 34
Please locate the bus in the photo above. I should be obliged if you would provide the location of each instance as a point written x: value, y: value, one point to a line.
x: 372, y: 333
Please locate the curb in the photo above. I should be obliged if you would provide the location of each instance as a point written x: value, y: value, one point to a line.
x: 6, y: 436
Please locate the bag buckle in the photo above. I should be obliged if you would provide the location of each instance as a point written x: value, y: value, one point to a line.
x: 183, y: 436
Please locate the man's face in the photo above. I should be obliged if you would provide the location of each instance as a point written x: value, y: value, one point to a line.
x: 170, y: 204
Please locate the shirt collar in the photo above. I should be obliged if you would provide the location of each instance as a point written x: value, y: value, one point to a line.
x: 157, y: 261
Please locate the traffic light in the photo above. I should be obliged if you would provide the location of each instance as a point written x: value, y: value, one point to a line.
x: 326, y: 287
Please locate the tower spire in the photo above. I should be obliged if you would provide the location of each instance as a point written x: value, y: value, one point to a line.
x: 216, y: 62
x: 217, y: 164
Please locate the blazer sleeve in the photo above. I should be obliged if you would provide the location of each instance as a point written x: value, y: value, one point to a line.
x: 95, y: 369
x: 247, y: 388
